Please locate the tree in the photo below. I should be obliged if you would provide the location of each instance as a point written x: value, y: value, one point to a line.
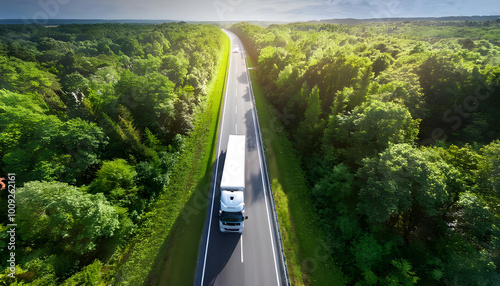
x: 26, y: 77
x: 330, y: 193
x: 63, y: 214
x: 21, y: 49
x: 465, y: 160
x: 155, y: 43
x: 368, y: 130
x: 404, y: 188
x: 489, y: 175
x: 445, y: 84
x: 402, y: 275
x: 103, y: 46
x: 335, y: 186
x: 477, y: 222
x: 381, y: 63
x: 310, y: 129
x: 150, y: 100
x: 296, y: 107
x: 467, y: 44
x: 41, y: 147
x: 340, y: 102
x: 270, y: 64
x: 284, y: 76
x: 88, y: 276
x: 402, y: 86
x: 76, y: 85
x: 367, y: 252
x: 131, y: 47
x: 337, y: 70
x: 468, y: 263
x: 83, y: 142
x: 144, y: 66
x: 116, y: 180
x: 175, y: 67
x: 183, y: 107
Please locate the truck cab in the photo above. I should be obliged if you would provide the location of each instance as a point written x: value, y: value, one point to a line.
x: 232, y: 211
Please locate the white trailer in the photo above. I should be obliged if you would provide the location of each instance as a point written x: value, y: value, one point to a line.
x: 232, y: 187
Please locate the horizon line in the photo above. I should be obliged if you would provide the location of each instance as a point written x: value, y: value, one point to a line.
x: 33, y: 21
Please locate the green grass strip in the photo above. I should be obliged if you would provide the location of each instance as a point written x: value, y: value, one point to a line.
x: 165, y: 249
x: 305, y: 246
x: 180, y: 265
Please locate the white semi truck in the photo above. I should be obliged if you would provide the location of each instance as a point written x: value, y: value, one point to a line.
x: 232, y: 187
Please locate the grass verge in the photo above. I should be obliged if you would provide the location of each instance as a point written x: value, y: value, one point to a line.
x: 306, y: 252
x: 180, y: 265
x: 149, y: 258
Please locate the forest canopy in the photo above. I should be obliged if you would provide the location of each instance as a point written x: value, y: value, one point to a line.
x: 397, y: 128
x: 92, y: 120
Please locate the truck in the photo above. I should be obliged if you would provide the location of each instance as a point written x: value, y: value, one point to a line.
x: 232, y: 187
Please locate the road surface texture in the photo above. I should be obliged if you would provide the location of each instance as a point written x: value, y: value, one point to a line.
x: 253, y: 257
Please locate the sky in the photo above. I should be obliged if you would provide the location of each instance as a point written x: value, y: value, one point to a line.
x: 242, y: 10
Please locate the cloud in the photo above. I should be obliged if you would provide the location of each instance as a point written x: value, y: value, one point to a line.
x: 299, y: 10
x: 272, y: 10
x: 240, y: 10
x: 282, y: 6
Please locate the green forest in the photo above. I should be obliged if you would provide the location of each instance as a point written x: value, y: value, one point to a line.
x: 397, y: 128
x: 93, y: 119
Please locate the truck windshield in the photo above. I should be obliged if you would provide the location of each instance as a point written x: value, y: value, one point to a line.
x: 231, y: 217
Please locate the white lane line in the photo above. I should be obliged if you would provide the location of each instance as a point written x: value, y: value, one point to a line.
x: 215, y: 176
x: 236, y: 111
x: 242, y: 249
x: 263, y: 184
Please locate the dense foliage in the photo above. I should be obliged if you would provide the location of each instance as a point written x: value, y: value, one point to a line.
x: 397, y: 127
x: 92, y: 121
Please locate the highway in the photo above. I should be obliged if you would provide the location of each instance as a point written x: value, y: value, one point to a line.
x: 253, y: 257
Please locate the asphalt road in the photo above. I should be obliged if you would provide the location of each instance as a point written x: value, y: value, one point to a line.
x: 251, y: 258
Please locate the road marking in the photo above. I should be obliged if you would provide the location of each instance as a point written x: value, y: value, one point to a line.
x: 236, y: 128
x: 241, y: 248
x: 263, y: 184
x: 236, y: 110
x: 215, y: 183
